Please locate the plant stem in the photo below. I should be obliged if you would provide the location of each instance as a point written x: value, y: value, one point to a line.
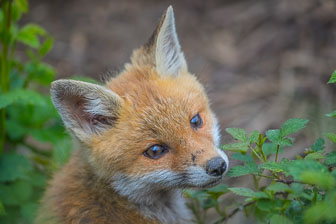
x: 255, y: 153
x: 5, y: 67
x: 255, y: 182
x: 277, y: 152
x: 219, y: 211
x: 268, y: 177
x: 259, y: 145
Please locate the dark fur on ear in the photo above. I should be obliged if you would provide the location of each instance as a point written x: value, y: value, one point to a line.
x: 85, y: 108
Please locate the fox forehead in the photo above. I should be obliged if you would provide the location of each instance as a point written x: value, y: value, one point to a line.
x: 144, y: 81
x: 147, y: 94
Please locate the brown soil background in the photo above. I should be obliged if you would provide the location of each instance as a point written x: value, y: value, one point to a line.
x: 262, y: 61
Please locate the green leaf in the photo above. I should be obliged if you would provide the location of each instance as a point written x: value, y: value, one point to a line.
x: 238, y: 171
x: 237, y: 133
x: 331, y: 137
x: 246, y: 192
x: 236, y: 147
x: 311, y: 172
x: 46, y: 46
x: 333, y: 173
x: 332, y: 114
x: 13, y: 166
x: 314, y: 156
x: 319, y: 212
x: 28, y: 211
x: 330, y: 159
x: 292, y: 125
x: 2, y: 209
x: 274, y: 135
x: 217, y: 191
x: 265, y: 205
x: 280, y: 219
x: 22, y: 96
x: 322, y: 179
x: 198, y: 195
x: 22, y: 5
x: 297, y: 167
x: 270, y: 148
x: 273, y: 166
x: 62, y: 151
x: 253, y: 137
x: 15, y: 129
x: 222, y: 188
x: 298, y: 191
x: 40, y: 72
x: 242, y: 157
x: 16, y: 14
x: 286, y: 142
x: 332, y: 78
x: 37, y: 179
x: 29, y: 35
x: 318, y: 145
x: 279, y: 187
x: 322, y: 211
x: 208, y: 203
x: 15, y: 193
x: 248, y: 168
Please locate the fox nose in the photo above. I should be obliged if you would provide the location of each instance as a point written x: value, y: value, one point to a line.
x: 216, y: 166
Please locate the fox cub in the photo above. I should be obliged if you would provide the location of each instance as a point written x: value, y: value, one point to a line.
x: 144, y: 136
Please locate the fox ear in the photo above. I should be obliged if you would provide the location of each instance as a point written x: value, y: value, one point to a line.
x: 168, y: 55
x: 85, y: 108
x: 163, y: 49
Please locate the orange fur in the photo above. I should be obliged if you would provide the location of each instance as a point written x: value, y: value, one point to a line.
x: 109, y: 180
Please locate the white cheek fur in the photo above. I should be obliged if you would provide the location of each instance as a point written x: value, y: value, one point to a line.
x: 215, y: 131
x: 216, y: 138
x: 157, y: 195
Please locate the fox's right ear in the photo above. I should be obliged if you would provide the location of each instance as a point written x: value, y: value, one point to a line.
x: 85, y: 108
x: 163, y: 50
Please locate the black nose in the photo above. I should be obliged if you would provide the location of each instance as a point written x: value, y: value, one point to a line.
x: 216, y: 166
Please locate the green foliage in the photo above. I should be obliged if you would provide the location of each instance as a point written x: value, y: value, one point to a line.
x: 332, y: 78
x: 318, y: 145
x: 29, y: 125
x: 331, y: 114
x: 250, y: 167
x: 287, y: 191
x: 237, y: 133
x: 331, y: 137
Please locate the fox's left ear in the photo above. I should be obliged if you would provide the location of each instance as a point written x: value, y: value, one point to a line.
x: 163, y: 49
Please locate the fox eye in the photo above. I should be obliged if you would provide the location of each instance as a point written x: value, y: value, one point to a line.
x: 155, y: 151
x: 196, y: 121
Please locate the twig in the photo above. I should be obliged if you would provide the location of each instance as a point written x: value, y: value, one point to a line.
x: 277, y: 152
x: 288, y: 182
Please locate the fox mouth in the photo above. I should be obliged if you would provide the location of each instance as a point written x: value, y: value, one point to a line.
x: 207, y: 184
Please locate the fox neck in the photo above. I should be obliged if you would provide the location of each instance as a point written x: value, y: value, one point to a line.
x: 166, y: 205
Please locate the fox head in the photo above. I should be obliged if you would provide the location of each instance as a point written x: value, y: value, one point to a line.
x: 150, y: 128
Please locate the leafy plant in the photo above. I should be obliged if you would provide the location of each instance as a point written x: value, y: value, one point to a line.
x: 296, y: 191
x: 29, y: 124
